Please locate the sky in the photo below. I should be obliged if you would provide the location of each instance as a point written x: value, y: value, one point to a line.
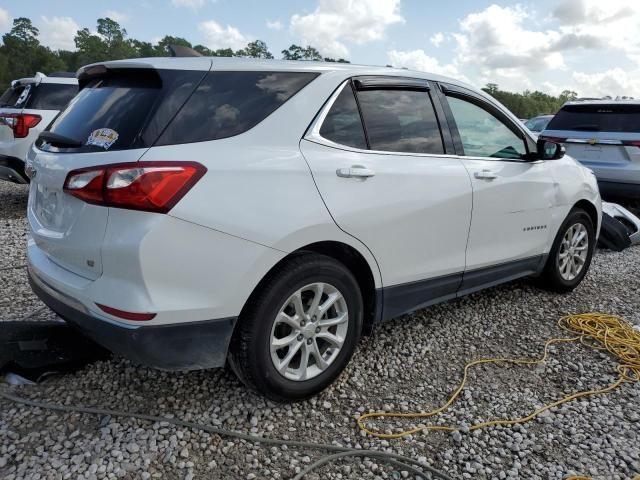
x: 588, y: 46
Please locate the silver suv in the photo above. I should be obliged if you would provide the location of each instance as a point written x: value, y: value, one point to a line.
x: 603, y: 135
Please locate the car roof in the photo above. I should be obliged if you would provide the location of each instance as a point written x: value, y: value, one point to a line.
x: 255, y: 64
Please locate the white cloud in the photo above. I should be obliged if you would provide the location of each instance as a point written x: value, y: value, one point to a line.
x: 419, y: 60
x: 119, y: 17
x: 614, y: 82
x: 5, y: 20
x: 195, y: 4
x: 274, y: 25
x: 57, y: 32
x: 216, y: 36
x: 335, y: 22
x: 437, y: 38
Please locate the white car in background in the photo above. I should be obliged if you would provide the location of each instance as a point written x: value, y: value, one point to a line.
x: 26, y: 109
x: 187, y: 212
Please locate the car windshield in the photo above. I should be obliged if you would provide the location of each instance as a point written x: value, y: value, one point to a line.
x: 621, y: 117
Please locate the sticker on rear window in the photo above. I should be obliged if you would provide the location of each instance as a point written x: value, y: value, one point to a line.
x: 103, y: 137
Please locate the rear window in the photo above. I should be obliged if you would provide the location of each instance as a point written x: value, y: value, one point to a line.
x: 50, y: 96
x: 229, y: 103
x: 10, y: 97
x: 124, y: 109
x: 597, y: 118
x: 45, y: 96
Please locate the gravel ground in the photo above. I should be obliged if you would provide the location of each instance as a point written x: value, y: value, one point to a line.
x: 412, y: 363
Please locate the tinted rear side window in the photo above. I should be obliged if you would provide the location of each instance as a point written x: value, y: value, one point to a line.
x: 229, y: 103
x: 597, y: 118
x: 343, y: 124
x: 400, y: 121
x: 50, y: 96
x: 135, y: 104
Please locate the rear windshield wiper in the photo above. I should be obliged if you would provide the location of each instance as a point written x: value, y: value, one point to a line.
x: 59, y: 140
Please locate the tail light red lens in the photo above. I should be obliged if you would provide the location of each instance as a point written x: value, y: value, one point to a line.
x: 631, y: 143
x: 139, y: 317
x: 147, y: 186
x: 20, y: 123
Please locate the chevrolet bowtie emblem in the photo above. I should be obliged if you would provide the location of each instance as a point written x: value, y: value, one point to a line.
x: 592, y: 141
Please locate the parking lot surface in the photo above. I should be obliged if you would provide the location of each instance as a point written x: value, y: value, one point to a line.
x: 410, y: 364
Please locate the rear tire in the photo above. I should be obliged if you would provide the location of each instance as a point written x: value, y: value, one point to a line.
x: 298, y: 332
x: 570, y: 255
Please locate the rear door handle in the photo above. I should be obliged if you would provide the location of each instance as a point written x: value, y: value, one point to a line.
x: 485, y: 175
x: 355, y: 171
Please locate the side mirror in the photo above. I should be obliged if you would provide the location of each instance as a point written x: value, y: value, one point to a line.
x: 550, y: 150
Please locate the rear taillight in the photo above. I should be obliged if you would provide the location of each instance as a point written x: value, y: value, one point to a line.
x: 148, y: 186
x: 631, y: 143
x: 20, y: 123
x: 552, y: 139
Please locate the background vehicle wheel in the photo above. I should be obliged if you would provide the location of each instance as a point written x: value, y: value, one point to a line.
x: 570, y: 255
x: 298, y: 332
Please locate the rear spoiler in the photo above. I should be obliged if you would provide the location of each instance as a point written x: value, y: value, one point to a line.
x: 36, y: 79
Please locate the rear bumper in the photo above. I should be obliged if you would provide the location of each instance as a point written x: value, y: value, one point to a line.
x: 183, y: 346
x: 12, y: 169
x: 609, y: 189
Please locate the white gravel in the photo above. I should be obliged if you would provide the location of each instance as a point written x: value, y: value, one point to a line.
x: 412, y: 363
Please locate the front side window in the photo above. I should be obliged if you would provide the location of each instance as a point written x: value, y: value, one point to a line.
x: 484, y: 135
x: 400, y: 121
x: 343, y: 124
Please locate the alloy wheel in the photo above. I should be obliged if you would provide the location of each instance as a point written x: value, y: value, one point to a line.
x: 573, y: 252
x: 309, y: 331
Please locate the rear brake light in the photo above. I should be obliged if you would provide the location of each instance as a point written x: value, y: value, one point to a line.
x: 147, y: 186
x: 552, y: 139
x: 140, y: 317
x: 20, y: 123
x: 631, y: 143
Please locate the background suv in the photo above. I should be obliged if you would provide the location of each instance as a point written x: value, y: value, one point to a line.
x: 26, y: 108
x: 187, y: 212
x: 539, y: 123
x: 603, y: 135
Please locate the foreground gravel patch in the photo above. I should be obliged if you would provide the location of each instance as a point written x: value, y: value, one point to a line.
x: 412, y: 363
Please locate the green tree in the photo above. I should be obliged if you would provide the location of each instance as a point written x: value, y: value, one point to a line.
x: 296, y: 52
x: 255, y: 49
x: 162, y: 48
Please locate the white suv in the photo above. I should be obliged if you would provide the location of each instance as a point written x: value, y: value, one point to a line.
x: 192, y: 211
x: 26, y: 108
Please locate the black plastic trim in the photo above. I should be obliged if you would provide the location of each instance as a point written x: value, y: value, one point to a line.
x: 379, y: 82
x: 408, y: 297
x: 183, y: 346
x: 405, y: 298
x: 15, y: 165
x: 617, y: 190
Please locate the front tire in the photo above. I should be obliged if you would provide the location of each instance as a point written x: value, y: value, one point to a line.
x: 571, y: 253
x: 299, y: 331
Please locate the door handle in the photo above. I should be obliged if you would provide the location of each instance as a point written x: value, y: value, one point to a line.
x: 486, y: 175
x: 355, y: 171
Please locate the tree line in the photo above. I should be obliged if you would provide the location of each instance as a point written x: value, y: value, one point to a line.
x: 22, y: 55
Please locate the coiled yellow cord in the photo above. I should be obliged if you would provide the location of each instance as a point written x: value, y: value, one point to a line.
x: 595, y: 330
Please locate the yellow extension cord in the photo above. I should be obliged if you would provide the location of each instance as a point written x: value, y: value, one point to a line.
x: 595, y: 330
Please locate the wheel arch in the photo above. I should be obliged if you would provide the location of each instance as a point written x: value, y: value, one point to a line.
x: 351, y: 258
x: 591, y: 210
